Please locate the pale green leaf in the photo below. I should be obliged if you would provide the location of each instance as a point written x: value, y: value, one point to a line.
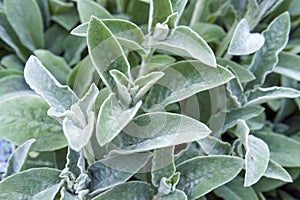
x: 234, y: 190
x: 288, y: 65
x: 201, y: 175
x: 58, y: 7
x: 142, y: 4
x: 283, y: 150
x: 161, y: 61
x: 237, y: 148
x: 256, y: 160
x: 105, y: 51
x: 24, y: 117
x: 130, y: 45
x: 162, y: 30
x: 189, y: 151
x: 184, y: 79
x: 242, y: 132
x: 112, y: 171
x: 162, y: 164
x: 167, y: 185
x: 267, y: 185
x: 294, y: 45
x: 214, y: 146
x: 186, y: 43
x: 275, y: 104
x: 243, y: 42
x: 296, y: 136
x: 78, y: 189
x: 12, y: 94
x: 63, y: 13
x: 46, y: 159
x: 157, y: 130
x: 66, y: 195
x: 87, y: 102
x: 74, y: 174
x: 112, y: 118
x: 129, y: 37
x: 26, y: 19
x: 160, y: 10
x: 68, y: 19
x: 11, y: 61
x: 134, y: 190
x: 125, y: 29
x: 81, y: 76
x: 122, y: 86
x: 8, y: 35
x: 268, y: 6
x: 10, y: 72
x: 48, y: 193
x: 78, y: 123
x: 73, y: 47
x: 157, y: 63
x: 75, y: 162
x: 80, y: 30
x: 239, y: 7
x: 175, y: 195
x: 243, y: 113
x: 12, y: 83
x: 294, y: 7
x: 242, y: 73
x: 178, y: 6
x: 276, y: 37
x: 102, y: 96
x: 56, y: 65
x: 275, y: 171
x: 263, y: 95
x: 209, y: 32
x: 59, y: 97
x: 38, y: 182
x: 256, y: 10
x: 17, y: 159
x: 55, y: 37
x: 88, y: 8
x: 78, y: 137
x: 145, y: 83
x: 119, y: 28
x: 234, y: 92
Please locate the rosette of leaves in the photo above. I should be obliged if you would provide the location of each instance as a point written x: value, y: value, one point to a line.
x: 128, y: 118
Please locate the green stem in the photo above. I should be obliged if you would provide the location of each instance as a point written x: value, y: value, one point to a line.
x: 55, y: 161
x: 121, y: 6
x: 199, y: 6
x: 145, y: 59
x: 129, y: 73
x: 224, y: 44
x: 227, y: 56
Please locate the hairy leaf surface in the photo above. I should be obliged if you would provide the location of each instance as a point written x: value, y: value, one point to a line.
x: 201, y: 175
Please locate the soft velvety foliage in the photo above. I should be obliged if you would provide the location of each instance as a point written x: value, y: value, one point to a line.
x: 18, y: 158
x: 243, y: 42
x: 36, y: 183
x: 24, y: 117
x: 149, y: 99
x: 203, y: 174
x: 131, y: 190
x: 26, y: 20
x: 234, y: 190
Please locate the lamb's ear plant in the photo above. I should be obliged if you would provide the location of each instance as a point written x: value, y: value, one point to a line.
x: 195, y: 100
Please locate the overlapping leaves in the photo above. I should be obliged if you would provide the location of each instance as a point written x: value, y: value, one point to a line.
x: 140, y: 136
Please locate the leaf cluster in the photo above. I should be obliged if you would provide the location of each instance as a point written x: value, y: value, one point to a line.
x: 150, y: 99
